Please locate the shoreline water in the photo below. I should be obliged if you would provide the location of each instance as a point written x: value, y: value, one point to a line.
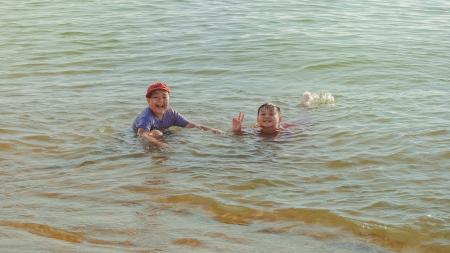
x: 368, y: 174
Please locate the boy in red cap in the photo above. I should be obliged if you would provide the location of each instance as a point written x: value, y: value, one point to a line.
x: 159, y: 116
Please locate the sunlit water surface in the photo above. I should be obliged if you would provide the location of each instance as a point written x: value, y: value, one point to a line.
x: 368, y: 174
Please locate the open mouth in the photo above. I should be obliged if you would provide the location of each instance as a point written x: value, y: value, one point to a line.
x: 267, y: 123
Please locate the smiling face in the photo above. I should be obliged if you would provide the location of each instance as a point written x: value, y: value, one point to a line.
x: 158, y: 101
x: 269, y: 118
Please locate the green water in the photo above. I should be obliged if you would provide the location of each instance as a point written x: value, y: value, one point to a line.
x: 368, y: 174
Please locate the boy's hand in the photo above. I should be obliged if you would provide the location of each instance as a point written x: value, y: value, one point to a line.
x: 237, y: 122
x: 155, y: 133
x: 154, y: 138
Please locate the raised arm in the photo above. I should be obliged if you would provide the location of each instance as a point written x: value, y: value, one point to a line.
x: 237, y: 122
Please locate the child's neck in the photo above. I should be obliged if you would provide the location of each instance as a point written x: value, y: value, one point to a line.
x: 158, y: 115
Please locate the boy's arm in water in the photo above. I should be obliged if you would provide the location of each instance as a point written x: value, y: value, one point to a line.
x: 204, y: 128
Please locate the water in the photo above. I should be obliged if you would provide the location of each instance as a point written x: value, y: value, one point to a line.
x: 369, y: 174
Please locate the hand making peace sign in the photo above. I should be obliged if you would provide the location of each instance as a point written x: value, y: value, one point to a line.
x: 237, y: 122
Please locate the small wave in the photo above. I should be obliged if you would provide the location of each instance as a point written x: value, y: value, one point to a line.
x: 7, y: 147
x: 20, y: 145
x: 42, y: 138
x: 439, y: 132
x: 393, y: 237
x: 31, y: 65
x: 150, y: 190
x: 339, y: 164
x: 335, y: 64
x: 206, y: 72
x: 60, y: 234
x: 383, y: 205
x: 191, y: 242
x: 110, y: 158
x: 74, y: 34
x: 47, y: 231
x: 258, y: 183
x: 54, y: 195
x: 443, y: 155
x: 56, y: 73
x: 348, y: 188
x: 322, y: 179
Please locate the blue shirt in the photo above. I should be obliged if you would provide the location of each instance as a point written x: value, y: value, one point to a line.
x: 148, y: 121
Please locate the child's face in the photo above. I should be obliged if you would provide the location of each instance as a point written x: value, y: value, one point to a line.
x: 268, y: 119
x: 158, y: 102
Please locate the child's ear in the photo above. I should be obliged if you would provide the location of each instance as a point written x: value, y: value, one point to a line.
x: 148, y: 101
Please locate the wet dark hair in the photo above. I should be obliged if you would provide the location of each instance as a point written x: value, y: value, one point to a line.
x: 271, y: 106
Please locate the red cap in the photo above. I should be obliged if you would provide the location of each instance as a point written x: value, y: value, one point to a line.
x: 157, y: 86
